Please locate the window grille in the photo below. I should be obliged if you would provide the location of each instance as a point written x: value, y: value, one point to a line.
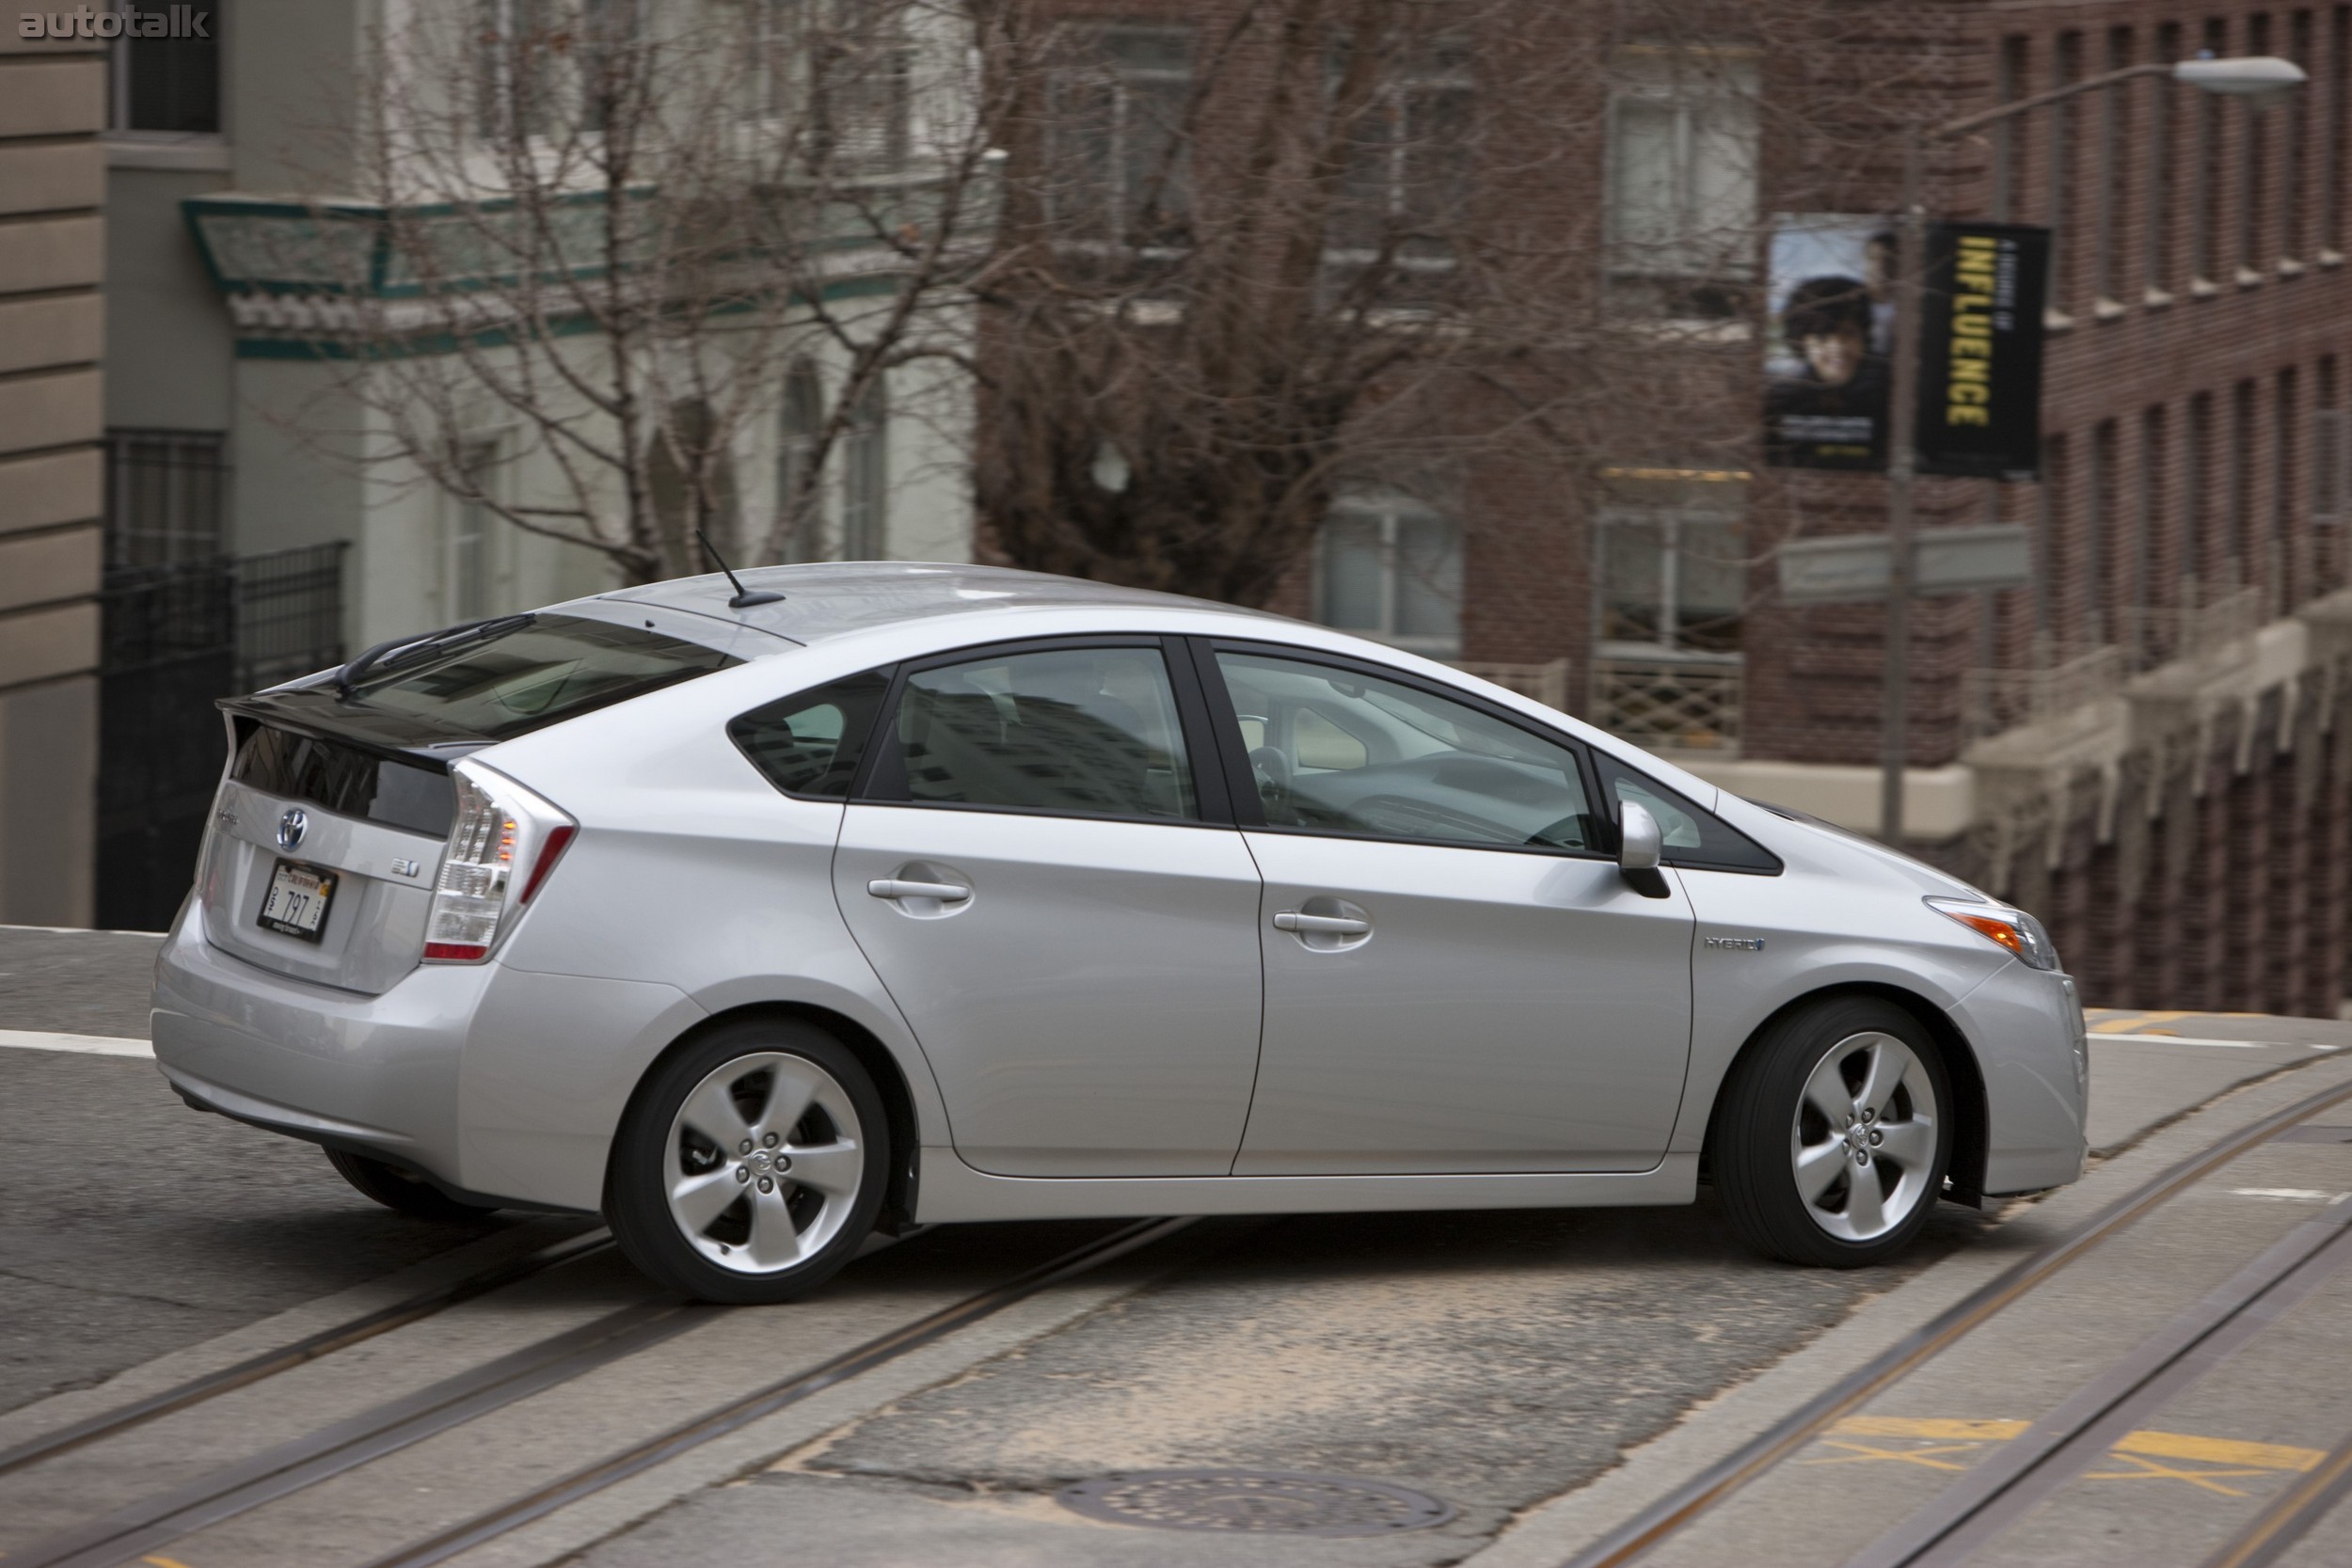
x: 166, y: 497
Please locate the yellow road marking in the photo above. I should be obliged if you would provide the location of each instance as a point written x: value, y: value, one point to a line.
x: 164, y: 1562
x: 1935, y: 1440
x: 2149, y: 1470
x: 2221, y: 1450
x: 2117, y: 1020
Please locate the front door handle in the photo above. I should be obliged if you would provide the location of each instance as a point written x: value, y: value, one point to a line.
x: 1321, y: 925
x: 947, y: 893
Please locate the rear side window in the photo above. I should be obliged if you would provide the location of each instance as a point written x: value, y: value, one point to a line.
x: 550, y: 667
x: 1695, y: 839
x: 1086, y: 731
x: 810, y: 743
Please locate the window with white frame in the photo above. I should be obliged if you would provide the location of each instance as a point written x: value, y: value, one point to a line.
x: 1682, y: 174
x: 513, y: 69
x: 467, y: 568
x: 539, y: 63
x: 1670, y: 586
x: 1391, y: 568
x: 1673, y: 581
x: 1121, y: 98
x: 1409, y: 164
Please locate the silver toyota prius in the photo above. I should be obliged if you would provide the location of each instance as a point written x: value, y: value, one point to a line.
x: 870, y: 895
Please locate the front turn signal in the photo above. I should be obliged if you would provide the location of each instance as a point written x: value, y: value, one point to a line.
x: 2013, y: 930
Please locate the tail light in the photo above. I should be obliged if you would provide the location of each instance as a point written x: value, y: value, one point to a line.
x: 503, y: 840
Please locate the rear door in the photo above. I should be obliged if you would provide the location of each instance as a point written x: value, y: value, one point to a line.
x: 1041, y: 881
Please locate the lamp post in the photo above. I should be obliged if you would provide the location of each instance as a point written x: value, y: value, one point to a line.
x: 2263, y: 81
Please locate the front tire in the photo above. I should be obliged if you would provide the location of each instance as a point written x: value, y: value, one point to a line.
x: 1833, y: 1134
x: 750, y: 1166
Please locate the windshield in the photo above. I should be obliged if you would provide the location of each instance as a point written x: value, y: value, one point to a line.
x: 553, y: 668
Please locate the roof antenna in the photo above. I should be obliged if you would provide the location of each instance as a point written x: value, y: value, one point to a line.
x: 744, y: 598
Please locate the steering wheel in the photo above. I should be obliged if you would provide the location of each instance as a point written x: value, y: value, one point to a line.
x: 1273, y: 772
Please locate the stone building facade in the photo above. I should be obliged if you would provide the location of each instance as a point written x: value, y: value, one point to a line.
x: 52, y: 329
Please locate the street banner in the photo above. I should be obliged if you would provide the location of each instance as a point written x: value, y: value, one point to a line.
x: 1830, y: 318
x: 1980, y: 350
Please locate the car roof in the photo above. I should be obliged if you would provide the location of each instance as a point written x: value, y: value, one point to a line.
x: 831, y: 599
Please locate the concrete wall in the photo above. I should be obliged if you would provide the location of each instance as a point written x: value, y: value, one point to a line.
x: 52, y: 341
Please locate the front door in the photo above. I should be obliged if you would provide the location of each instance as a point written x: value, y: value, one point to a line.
x: 1074, y: 947
x: 1458, y: 978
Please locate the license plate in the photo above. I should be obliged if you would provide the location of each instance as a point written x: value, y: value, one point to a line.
x: 296, y: 904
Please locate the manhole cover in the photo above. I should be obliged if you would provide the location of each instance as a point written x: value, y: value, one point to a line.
x: 1254, y: 1502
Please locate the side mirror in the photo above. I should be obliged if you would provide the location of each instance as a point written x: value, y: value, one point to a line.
x: 1640, y: 847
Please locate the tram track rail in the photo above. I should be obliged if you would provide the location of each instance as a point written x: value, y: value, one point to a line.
x: 1941, y: 1534
x: 150, y: 1525
x: 311, y: 1347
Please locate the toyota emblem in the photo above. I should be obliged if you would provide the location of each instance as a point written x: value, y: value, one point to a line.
x: 291, y: 828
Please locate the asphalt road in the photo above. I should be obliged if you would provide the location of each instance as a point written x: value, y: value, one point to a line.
x: 132, y: 1225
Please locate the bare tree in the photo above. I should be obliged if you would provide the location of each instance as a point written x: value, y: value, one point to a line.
x: 1297, y: 245
x: 611, y: 230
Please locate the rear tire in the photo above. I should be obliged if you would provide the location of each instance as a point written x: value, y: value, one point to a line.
x: 1833, y: 1133
x: 400, y: 1192
x: 751, y: 1165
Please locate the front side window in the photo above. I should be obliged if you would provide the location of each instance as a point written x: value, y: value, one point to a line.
x: 810, y: 743
x: 532, y: 670
x: 1085, y: 731
x: 1333, y: 750
x: 1693, y: 838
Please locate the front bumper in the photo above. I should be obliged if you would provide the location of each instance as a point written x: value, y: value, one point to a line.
x: 2026, y: 1027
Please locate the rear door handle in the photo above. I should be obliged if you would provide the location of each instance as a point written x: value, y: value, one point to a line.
x: 947, y: 893
x: 1321, y: 925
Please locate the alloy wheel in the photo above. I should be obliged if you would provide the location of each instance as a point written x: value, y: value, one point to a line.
x: 1863, y: 1142
x: 764, y: 1161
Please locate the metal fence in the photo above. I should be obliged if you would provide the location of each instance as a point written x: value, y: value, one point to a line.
x: 173, y: 640
x: 290, y: 613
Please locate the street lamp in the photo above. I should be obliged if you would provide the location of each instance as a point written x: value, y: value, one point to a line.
x: 2262, y: 81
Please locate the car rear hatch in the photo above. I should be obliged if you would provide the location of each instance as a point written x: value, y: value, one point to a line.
x: 329, y: 829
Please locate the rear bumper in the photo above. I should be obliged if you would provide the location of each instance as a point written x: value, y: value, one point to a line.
x: 502, y: 1086
x: 374, y: 1075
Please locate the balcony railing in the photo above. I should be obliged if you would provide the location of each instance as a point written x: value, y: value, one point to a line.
x: 1675, y: 702
x: 2064, y: 678
x: 1546, y: 683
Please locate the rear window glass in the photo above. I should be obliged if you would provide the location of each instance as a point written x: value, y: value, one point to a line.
x: 555, y: 666
x: 344, y: 778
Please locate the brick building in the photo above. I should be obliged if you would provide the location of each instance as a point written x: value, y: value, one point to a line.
x: 2160, y: 721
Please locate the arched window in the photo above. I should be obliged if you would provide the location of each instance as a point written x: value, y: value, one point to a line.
x: 800, y: 500
x: 866, y: 477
